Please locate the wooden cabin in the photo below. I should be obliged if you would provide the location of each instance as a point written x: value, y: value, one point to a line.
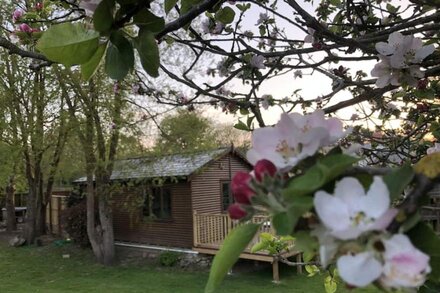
x: 179, y: 201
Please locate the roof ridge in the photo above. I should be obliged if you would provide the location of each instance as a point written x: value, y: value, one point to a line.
x: 152, y: 156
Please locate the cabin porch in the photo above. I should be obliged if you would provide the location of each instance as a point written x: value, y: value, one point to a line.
x: 210, y: 230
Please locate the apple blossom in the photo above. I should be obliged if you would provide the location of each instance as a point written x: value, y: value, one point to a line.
x: 262, y: 19
x: 310, y: 38
x: 17, y: 15
x: 404, y: 51
x: 264, y: 168
x: 218, y: 28
x: 400, y: 57
x: 89, y: 6
x: 405, y: 265
x: 360, y: 269
x: 236, y: 212
x: 433, y: 149
x: 294, y: 138
x: 257, y: 61
x: 39, y: 6
x: 351, y: 211
x: 241, y: 189
x: 25, y: 28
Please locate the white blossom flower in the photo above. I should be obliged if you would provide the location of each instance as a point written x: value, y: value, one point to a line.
x: 89, y: 6
x: 385, y: 73
x: 405, y: 266
x: 257, y: 61
x: 404, y: 50
x: 400, y: 57
x: 218, y: 28
x: 351, y: 211
x: 360, y: 269
x: 205, y: 26
x: 293, y: 138
x: 310, y: 38
x: 434, y: 149
x: 263, y: 18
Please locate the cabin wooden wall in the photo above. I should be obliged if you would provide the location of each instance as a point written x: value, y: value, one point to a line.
x: 130, y: 226
x: 206, y: 184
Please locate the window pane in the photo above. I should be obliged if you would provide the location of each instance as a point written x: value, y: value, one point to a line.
x: 226, y: 195
x: 166, y: 204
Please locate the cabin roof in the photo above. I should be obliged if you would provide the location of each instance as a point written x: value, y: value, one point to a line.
x: 175, y: 165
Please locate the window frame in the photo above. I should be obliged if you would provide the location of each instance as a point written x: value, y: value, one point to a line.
x: 222, y: 197
x: 148, y: 192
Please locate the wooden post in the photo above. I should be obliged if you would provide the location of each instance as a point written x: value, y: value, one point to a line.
x: 275, y: 271
x: 299, y: 268
x: 195, y: 229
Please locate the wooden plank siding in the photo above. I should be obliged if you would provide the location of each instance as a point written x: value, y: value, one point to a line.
x: 206, y: 185
x: 130, y: 226
x: 201, y: 193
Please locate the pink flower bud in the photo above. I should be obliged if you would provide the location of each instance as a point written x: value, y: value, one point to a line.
x: 39, y: 6
x: 25, y: 28
x: 236, y: 212
x: 240, y: 187
x: 18, y: 13
x: 264, y: 167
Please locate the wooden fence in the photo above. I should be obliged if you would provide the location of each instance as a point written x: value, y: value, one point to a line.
x: 211, y: 229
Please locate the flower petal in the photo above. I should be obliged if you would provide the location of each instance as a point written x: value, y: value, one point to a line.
x: 359, y: 270
x: 351, y: 192
x: 423, y: 52
x: 332, y: 211
x: 377, y: 201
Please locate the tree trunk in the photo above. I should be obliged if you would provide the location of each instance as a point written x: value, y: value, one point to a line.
x: 29, y: 227
x: 11, y: 224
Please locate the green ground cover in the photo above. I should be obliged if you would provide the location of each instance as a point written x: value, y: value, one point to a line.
x: 43, y: 269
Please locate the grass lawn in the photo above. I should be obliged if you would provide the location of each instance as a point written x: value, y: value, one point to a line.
x: 43, y: 269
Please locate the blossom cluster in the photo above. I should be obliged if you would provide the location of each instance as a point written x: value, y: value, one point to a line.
x: 400, y: 60
x: 352, y: 227
x: 294, y: 138
x: 351, y: 213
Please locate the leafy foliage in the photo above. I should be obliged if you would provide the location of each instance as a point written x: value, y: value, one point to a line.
x: 169, y: 258
x: 233, y: 245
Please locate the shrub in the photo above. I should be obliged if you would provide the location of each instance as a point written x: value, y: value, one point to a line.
x: 169, y: 258
x: 74, y: 220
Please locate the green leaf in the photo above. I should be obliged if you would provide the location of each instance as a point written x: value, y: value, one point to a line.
x: 263, y: 245
x: 103, y: 16
x: 149, y: 21
x: 285, y: 222
x: 234, y: 244
x: 186, y: 5
x: 305, y: 242
x: 330, y: 285
x: 120, y: 57
x: 425, y: 239
x: 266, y: 236
x: 89, y: 68
x: 225, y: 15
x: 241, y: 126
x: 324, y: 171
x: 148, y: 52
x: 398, y: 179
x: 169, y: 4
x: 311, y: 270
x: 69, y: 43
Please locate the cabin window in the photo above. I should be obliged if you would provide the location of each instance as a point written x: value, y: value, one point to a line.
x: 226, y: 193
x: 157, y: 204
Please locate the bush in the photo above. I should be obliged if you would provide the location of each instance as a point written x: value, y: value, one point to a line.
x: 169, y: 258
x: 74, y: 220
